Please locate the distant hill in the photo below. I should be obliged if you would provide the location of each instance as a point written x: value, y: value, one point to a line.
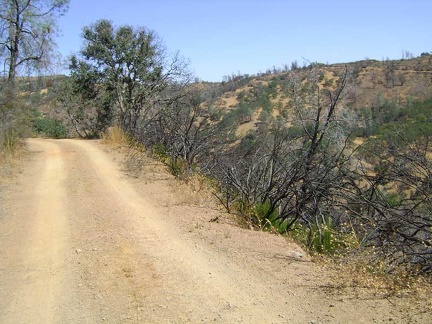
x: 370, y: 84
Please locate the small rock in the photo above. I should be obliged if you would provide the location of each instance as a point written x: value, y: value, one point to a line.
x: 296, y: 254
x: 78, y: 251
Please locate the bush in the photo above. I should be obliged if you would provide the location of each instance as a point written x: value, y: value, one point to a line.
x: 13, y: 119
x: 9, y: 140
x: 49, y: 127
x: 114, y: 135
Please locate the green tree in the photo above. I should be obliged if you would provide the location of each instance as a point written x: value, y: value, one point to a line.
x: 27, y: 28
x: 86, y: 102
x: 133, y: 71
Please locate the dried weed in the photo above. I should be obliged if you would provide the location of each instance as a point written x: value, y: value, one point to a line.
x: 115, y: 136
x: 10, y: 161
x: 361, y: 271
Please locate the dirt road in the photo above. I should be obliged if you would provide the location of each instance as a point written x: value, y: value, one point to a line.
x: 81, y: 242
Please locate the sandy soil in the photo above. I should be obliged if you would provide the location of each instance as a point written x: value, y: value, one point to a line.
x: 83, y: 242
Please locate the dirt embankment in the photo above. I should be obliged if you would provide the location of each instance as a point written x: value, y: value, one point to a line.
x: 81, y: 242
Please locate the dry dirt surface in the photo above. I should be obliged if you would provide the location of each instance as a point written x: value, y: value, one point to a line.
x: 83, y: 242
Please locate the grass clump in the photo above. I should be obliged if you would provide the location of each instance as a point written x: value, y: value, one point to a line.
x: 116, y: 136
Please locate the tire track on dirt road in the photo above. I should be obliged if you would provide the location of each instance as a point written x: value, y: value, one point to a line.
x: 35, y: 263
x: 187, y: 286
x: 91, y: 249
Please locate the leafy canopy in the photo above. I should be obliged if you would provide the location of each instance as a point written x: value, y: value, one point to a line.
x: 125, y: 75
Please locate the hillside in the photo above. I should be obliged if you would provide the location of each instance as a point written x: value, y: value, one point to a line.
x: 370, y: 84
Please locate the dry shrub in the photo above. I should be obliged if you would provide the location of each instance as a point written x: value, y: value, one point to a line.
x: 134, y: 154
x: 189, y: 188
x: 366, y: 271
x: 140, y: 164
x: 115, y: 136
x: 195, y: 189
x: 10, y: 161
x: 135, y: 161
x: 14, y: 123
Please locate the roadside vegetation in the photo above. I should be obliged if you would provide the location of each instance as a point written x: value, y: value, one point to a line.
x: 299, y: 170
x: 325, y: 155
x: 27, y: 29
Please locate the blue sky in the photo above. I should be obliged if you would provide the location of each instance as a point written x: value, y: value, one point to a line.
x: 222, y: 37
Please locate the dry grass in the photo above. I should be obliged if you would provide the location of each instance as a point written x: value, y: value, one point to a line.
x: 230, y: 102
x: 195, y: 190
x: 189, y: 189
x: 359, y: 278
x: 115, y: 136
x: 361, y: 271
x: 10, y: 161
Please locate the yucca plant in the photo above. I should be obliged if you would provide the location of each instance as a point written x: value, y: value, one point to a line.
x: 265, y: 221
x: 322, y: 237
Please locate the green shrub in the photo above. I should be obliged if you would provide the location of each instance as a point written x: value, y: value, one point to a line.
x: 176, y: 166
x: 324, y: 238
x: 49, y: 127
x: 159, y: 151
x: 268, y: 221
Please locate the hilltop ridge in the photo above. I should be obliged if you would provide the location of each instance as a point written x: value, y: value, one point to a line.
x: 370, y: 84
